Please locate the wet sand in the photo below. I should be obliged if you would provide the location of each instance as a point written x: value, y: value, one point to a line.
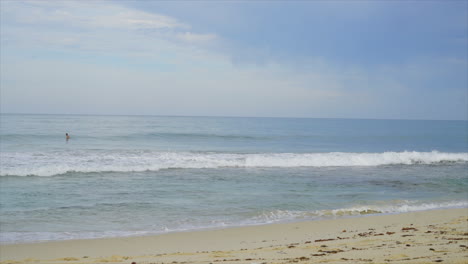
x: 418, y: 237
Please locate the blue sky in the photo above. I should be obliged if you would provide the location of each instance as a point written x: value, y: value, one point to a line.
x: 344, y: 59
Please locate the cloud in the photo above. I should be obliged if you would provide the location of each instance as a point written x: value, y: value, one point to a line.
x: 101, y: 57
x: 196, y: 38
x: 89, y: 25
x: 86, y: 14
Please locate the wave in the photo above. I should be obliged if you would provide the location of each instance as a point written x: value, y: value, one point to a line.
x: 259, y: 218
x: 61, y: 162
x: 389, y: 208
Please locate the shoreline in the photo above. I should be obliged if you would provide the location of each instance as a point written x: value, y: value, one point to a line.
x: 415, y: 237
x: 215, y: 228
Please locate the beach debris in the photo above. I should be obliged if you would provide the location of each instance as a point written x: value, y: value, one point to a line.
x: 357, y: 248
x: 431, y: 249
x: 308, y: 242
x: 318, y: 255
x: 69, y: 259
x: 331, y: 251
x: 390, y: 233
x: 409, y: 229
x: 366, y: 260
x: 365, y: 234
x: 323, y: 240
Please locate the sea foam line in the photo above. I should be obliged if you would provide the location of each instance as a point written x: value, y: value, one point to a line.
x: 266, y: 217
x: 358, y: 210
x: 56, y: 163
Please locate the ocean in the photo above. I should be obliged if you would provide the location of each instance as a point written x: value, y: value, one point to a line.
x: 140, y: 175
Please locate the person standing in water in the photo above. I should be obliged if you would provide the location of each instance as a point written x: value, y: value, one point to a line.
x: 67, y: 137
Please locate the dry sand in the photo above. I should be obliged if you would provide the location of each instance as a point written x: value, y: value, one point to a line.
x: 418, y: 237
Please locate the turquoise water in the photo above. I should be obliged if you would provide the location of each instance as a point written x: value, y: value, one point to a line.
x: 138, y: 175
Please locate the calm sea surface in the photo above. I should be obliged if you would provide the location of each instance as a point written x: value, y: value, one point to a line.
x: 138, y: 175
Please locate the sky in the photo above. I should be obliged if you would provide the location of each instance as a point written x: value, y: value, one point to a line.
x: 319, y: 59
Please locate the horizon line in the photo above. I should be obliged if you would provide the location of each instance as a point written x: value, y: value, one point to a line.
x: 234, y: 116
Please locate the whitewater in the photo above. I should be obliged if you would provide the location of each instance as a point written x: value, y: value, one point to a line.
x: 139, y: 175
x: 56, y: 163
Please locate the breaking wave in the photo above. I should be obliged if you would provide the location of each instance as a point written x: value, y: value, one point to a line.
x: 61, y: 162
x: 260, y: 218
x: 396, y: 208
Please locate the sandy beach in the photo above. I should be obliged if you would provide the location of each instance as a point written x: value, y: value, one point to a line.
x: 417, y: 237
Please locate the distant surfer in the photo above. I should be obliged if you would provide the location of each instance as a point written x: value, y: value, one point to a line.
x: 67, y: 137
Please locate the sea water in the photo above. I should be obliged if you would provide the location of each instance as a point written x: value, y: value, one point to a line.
x: 139, y: 175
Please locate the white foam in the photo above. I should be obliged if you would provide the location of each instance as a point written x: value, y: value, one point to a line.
x: 396, y: 207
x: 266, y: 217
x: 55, y: 163
x: 399, y: 207
x: 21, y: 237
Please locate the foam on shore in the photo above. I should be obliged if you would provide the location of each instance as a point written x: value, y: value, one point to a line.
x: 417, y: 237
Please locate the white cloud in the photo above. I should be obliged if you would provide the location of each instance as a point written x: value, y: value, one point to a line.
x: 196, y: 38
x: 119, y: 18
x: 84, y: 23
x: 100, y: 14
x: 169, y: 68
